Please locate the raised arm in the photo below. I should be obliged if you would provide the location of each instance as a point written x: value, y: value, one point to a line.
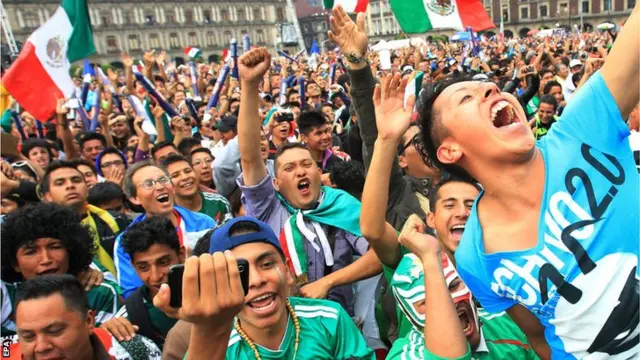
x: 621, y: 71
x: 127, y: 61
x: 394, y: 119
x: 252, y: 67
x: 63, y: 131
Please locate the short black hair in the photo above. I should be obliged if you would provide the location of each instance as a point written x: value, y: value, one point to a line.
x: 92, y: 136
x: 200, y: 150
x: 433, y: 132
x: 281, y: 150
x: 549, y: 85
x: 140, y: 236
x: 235, y: 200
x: 161, y: 145
x: 45, y: 187
x: 348, y: 176
x: 549, y: 99
x: 82, y: 161
x: 112, y: 150
x: 104, y: 192
x: 545, y: 71
x: 446, y: 179
x: 45, y: 220
x: 202, y: 246
x: 186, y: 144
x: 172, y: 159
x: 309, y: 120
x: 30, y: 144
x: 67, y: 286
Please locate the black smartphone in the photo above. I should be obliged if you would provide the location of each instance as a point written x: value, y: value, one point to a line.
x: 285, y: 117
x: 175, y: 281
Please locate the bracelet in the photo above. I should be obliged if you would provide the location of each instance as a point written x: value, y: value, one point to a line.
x: 352, y: 58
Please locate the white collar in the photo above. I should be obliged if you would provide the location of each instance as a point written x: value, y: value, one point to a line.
x: 482, y: 347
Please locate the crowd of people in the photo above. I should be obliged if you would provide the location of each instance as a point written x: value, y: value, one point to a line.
x: 450, y: 202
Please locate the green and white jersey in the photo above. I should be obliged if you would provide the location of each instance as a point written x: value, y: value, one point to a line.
x: 103, y: 301
x: 216, y: 206
x: 326, y: 333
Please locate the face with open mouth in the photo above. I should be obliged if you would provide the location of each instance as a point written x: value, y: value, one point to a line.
x: 184, y: 179
x: 453, y: 203
x: 45, y: 256
x: 298, y: 178
x: 152, y: 265
x: 481, y: 122
x: 264, y: 146
x: 158, y: 200
x: 463, y: 301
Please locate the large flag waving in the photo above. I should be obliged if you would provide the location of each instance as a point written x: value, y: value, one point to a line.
x: 40, y: 74
x: 349, y: 6
x: 419, y: 16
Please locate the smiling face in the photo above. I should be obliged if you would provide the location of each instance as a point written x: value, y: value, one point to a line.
x: 298, y: 178
x: 269, y: 281
x: 159, y: 199
x: 119, y: 129
x: 91, y: 149
x: 546, y: 112
x: 45, y: 256
x: 40, y: 156
x: 481, y: 124
x: 184, y: 179
x: 319, y: 138
x: 453, y: 204
x: 152, y: 265
x: 67, y: 187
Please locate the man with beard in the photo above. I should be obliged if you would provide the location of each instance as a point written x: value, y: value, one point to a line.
x: 562, y: 244
x: 488, y: 336
x: 188, y: 194
x: 294, y: 203
x: 149, y: 186
x: 266, y: 322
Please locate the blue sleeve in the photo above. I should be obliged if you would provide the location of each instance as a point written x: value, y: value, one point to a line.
x: 592, y: 116
x: 127, y: 277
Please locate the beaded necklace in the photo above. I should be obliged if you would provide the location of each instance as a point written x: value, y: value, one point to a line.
x: 253, y: 346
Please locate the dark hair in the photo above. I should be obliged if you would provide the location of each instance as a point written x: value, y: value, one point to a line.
x: 130, y: 189
x: 45, y: 220
x: 172, y: 159
x: 140, y: 236
x: 545, y: 71
x: 431, y: 126
x: 281, y: 150
x: 446, y: 179
x: 243, y: 227
x: 186, y: 144
x: 104, y: 192
x: 161, y: 145
x: 309, y: 120
x: 202, y: 246
x: 548, y: 99
x: 200, y: 150
x: 67, y: 286
x: 549, y: 85
x: 92, y: 136
x: 82, y: 161
x: 235, y: 200
x: 110, y: 150
x: 348, y: 176
x: 45, y: 187
x: 30, y: 144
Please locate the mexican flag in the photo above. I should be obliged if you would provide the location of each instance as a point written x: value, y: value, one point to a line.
x: 40, y: 75
x: 192, y: 52
x: 349, y: 6
x: 419, y: 16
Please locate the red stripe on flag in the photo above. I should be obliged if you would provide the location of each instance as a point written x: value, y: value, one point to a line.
x: 473, y: 13
x: 30, y: 84
x: 361, y: 6
x: 285, y: 250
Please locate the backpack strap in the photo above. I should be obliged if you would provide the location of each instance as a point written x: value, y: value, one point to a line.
x: 138, y: 314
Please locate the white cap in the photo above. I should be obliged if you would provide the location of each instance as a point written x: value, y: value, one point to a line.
x: 575, y: 62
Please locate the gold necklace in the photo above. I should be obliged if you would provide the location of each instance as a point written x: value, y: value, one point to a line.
x: 253, y: 346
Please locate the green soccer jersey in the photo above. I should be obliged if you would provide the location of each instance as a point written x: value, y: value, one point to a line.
x: 159, y: 319
x: 326, y: 333
x: 500, y: 338
x: 103, y: 301
x: 216, y: 206
x: 404, y: 326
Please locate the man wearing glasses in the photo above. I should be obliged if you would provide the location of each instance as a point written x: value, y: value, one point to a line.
x: 149, y: 186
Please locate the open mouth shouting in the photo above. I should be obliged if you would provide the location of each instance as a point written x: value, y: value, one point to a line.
x: 263, y: 304
x: 163, y: 198
x: 457, y: 230
x: 304, y: 186
x: 503, y: 115
x: 467, y: 319
x: 50, y: 271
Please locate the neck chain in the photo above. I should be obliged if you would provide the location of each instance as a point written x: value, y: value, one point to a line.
x: 253, y: 346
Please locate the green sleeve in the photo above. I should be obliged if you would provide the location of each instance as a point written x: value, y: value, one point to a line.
x: 412, y: 347
x: 349, y: 340
x: 103, y: 299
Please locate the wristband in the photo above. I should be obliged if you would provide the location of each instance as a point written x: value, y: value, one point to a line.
x: 352, y: 58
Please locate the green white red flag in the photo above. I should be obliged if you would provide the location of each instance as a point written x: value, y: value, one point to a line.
x: 419, y: 16
x: 349, y: 6
x: 40, y: 74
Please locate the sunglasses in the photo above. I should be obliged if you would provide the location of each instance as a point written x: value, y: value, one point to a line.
x: 418, y: 143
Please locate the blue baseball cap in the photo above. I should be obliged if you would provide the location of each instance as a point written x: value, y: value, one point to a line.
x: 221, y: 239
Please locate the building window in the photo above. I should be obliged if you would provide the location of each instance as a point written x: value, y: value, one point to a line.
x: 505, y: 14
x: 174, y: 42
x: 112, y: 44
x: 149, y: 19
x: 226, y: 37
x: 171, y: 19
x: 224, y: 14
x: 207, y: 16
x: 280, y: 14
x: 524, y: 12
x: 30, y: 20
x: 544, y: 11
x: 241, y: 15
x: 260, y: 37
x: 154, y: 41
x: 585, y: 7
x: 563, y: 9
x: 607, y: 5
x: 104, y: 20
x: 257, y: 15
x: 210, y: 39
x: 488, y: 10
x: 193, y: 39
x: 134, y: 42
x: 188, y: 16
x: 126, y: 18
x: 631, y: 4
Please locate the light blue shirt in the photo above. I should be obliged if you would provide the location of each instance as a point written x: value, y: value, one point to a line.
x: 581, y: 279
